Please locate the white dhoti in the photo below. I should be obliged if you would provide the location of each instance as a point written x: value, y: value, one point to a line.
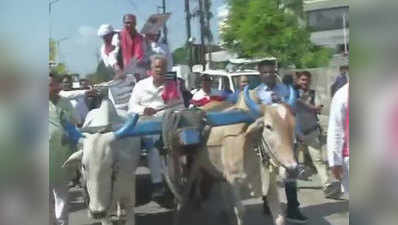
x: 345, y: 180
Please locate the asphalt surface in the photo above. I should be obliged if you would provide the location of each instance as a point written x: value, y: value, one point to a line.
x: 320, y: 211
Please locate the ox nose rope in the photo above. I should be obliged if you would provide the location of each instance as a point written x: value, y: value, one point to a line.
x: 267, y: 155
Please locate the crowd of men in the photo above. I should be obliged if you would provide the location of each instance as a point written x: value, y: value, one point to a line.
x: 138, y: 84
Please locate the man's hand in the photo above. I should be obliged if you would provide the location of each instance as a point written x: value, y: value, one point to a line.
x: 149, y: 111
x: 318, y: 108
x: 337, y: 172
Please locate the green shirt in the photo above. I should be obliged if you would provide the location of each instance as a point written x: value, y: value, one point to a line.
x: 59, y: 150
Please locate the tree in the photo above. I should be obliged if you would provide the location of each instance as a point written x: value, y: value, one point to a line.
x: 180, y: 56
x: 101, y: 74
x: 262, y: 28
x: 57, y: 68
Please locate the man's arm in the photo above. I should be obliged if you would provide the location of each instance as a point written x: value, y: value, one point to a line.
x: 69, y: 95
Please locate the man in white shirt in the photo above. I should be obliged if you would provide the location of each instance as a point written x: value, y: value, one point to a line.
x: 121, y: 86
x: 77, y: 98
x: 156, y: 46
x: 338, y: 137
x: 110, y: 48
x: 206, y: 93
x: 147, y: 99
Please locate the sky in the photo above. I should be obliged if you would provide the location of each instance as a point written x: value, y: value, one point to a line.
x: 74, y: 24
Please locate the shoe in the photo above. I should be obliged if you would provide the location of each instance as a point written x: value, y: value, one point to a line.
x: 158, y: 191
x: 295, y: 216
x: 333, y: 191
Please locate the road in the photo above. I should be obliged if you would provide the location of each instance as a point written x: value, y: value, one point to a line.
x: 321, y: 211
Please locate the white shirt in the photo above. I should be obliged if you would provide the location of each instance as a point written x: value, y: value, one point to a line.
x: 77, y: 100
x: 201, y: 94
x: 120, y: 91
x: 337, y: 118
x: 146, y: 94
x: 111, y: 59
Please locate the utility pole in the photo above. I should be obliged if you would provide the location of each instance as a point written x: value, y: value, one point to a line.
x: 202, y: 38
x: 188, y: 44
x: 50, y: 3
x: 164, y: 27
x: 209, y: 50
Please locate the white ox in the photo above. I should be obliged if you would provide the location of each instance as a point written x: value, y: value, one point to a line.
x: 108, y: 163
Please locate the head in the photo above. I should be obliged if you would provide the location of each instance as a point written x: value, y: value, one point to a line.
x: 158, y: 68
x: 304, y: 80
x: 288, y: 79
x: 97, y: 161
x: 106, y: 32
x: 243, y: 81
x: 129, y: 23
x: 84, y: 83
x: 267, y: 73
x: 54, y: 86
x: 205, y: 82
x: 67, y: 83
x: 344, y: 69
x: 276, y: 125
x: 153, y: 37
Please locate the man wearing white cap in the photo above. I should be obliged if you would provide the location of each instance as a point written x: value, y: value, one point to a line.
x: 110, y: 48
x: 121, y: 86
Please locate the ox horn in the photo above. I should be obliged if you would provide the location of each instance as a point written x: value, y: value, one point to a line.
x: 254, y: 109
x: 133, y: 128
x: 73, y: 133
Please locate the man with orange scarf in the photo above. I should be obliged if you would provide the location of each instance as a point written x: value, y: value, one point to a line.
x: 131, y: 42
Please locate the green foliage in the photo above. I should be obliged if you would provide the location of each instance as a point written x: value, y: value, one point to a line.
x: 261, y: 28
x: 180, y: 56
x: 102, y: 74
x: 60, y: 68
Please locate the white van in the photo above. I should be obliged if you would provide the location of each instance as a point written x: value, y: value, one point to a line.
x: 223, y: 80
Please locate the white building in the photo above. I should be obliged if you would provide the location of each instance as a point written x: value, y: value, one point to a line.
x: 326, y: 19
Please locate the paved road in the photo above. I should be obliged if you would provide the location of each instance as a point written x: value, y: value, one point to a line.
x: 321, y: 211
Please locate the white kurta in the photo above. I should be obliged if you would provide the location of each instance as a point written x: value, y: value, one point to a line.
x: 146, y: 94
x: 111, y: 59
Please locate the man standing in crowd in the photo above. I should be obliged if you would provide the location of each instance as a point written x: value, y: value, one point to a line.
x: 60, y: 148
x: 340, y: 81
x: 110, y: 49
x: 121, y: 86
x: 149, y: 99
x: 206, y: 93
x: 131, y: 42
x: 77, y: 99
x: 157, y: 46
x: 338, y: 137
x: 272, y: 92
x: 309, y: 132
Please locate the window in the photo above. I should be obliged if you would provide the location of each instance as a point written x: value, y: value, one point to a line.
x: 254, y: 81
x: 327, y: 19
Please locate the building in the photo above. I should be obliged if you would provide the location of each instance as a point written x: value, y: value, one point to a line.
x: 329, y: 22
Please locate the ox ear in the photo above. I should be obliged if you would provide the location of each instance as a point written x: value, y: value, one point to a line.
x: 74, y: 158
